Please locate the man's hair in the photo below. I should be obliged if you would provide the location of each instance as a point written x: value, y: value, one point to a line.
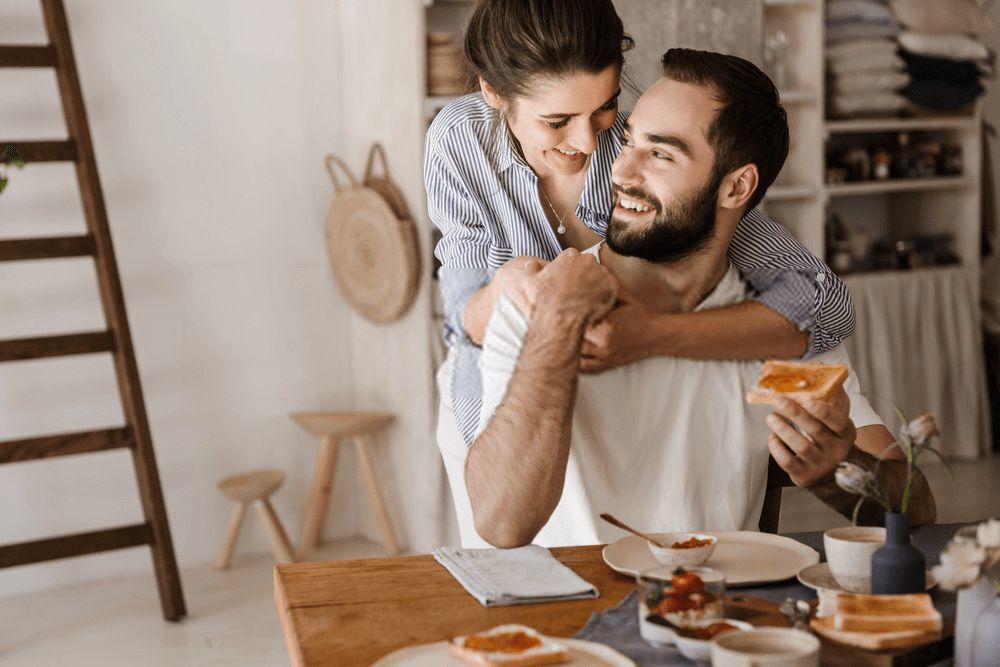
x: 751, y: 127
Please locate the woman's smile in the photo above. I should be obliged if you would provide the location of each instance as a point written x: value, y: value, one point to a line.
x: 568, y: 155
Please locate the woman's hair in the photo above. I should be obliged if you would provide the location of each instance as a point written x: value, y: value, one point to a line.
x: 511, y: 44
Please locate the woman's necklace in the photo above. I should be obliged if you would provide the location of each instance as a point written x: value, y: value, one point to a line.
x: 561, y: 227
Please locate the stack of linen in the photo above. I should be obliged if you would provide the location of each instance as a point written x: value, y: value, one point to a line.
x: 941, y: 46
x: 865, y: 72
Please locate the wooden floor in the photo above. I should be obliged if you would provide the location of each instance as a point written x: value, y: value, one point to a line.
x: 232, y: 618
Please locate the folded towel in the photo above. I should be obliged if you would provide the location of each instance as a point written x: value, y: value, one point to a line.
x: 837, y: 31
x: 889, y: 62
x: 943, y: 45
x: 498, y: 577
x: 939, y: 95
x: 869, y: 82
x: 867, y: 104
x: 859, y: 10
x: 941, y: 16
x: 852, y: 48
x: 928, y: 67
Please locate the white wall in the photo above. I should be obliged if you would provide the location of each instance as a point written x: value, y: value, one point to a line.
x: 210, y: 120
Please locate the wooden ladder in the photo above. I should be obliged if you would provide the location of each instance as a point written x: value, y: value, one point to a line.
x: 116, y: 339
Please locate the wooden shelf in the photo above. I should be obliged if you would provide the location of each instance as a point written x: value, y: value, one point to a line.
x: 898, y: 185
x: 901, y: 124
x: 798, y: 96
x: 789, y: 3
x: 864, y: 276
x: 777, y: 193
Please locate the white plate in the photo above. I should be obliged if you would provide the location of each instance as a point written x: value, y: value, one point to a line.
x: 745, y: 557
x: 581, y: 653
x: 819, y: 577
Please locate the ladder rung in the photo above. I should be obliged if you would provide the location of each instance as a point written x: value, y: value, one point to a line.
x: 56, y: 346
x: 47, y: 248
x: 79, y: 544
x: 45, y: 151
x: 64, y: 444
x: 27, y: 56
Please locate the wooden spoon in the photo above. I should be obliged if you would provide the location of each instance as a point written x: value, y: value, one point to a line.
x: 615, y: 522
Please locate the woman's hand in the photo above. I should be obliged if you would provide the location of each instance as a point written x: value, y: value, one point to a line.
x: 627, y: 334
x: 512, y: 279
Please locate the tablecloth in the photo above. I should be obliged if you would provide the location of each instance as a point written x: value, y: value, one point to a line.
x: 618, y: 626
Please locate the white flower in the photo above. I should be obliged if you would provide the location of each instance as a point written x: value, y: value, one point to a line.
x: 988, y: 534
x: 922, y: 429
x: 959, y: 566
x: 854, y: 479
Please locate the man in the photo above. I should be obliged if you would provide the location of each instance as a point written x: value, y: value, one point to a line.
x: 666, y: 444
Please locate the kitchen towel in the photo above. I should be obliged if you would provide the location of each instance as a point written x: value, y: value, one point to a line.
x: 525, y: 575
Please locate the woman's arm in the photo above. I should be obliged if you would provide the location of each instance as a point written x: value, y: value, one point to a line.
x: 511, y: 278
x: 464, y: 246
x: 791, y: 281
x: 797, y: 308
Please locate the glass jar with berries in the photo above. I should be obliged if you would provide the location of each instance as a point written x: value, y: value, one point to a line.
x: 672, y: 598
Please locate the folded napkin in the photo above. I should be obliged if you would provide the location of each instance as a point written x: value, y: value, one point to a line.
x: 499, y: 577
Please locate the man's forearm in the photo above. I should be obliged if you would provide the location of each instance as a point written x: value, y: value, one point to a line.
x: 892, y: 474
x: 516, y: 467
x: 741, y: 331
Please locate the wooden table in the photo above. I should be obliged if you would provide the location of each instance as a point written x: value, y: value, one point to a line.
x: 354, y: 612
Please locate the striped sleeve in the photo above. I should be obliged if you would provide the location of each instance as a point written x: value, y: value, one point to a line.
x: 464, y: 247
x: 787, y: 278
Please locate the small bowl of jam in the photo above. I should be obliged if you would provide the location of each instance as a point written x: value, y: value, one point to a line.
x: 684, y: 549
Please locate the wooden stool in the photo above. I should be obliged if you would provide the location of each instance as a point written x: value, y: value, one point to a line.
x: 254, y: 487
x: 332, y: 427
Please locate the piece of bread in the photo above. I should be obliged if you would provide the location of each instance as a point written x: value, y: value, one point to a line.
x: 885, y: 613
x: 797, y: 380
x: 544, y: 652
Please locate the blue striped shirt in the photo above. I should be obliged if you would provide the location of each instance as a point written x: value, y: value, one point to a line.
x: 483, y: 197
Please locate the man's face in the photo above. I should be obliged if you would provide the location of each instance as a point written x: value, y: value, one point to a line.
x: 664, y: 189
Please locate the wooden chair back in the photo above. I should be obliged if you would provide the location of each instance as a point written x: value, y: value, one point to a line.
x: 777, y: 479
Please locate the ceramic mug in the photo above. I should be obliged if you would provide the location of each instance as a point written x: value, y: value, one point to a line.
x: 777, y: 647
x: 849, y: 552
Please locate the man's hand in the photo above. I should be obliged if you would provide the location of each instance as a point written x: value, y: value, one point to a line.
x: 829, y: 436
x: 624, y: 336
x: 574, y: 285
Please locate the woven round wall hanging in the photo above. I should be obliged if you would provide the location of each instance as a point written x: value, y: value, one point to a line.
x: 371, y: 242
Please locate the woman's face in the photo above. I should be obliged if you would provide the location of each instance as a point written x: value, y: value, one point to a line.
x: 558, y: 121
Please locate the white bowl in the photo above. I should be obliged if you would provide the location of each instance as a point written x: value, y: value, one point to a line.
x: 700, y: 650
x: 775, y: 647
x: 691, y: 557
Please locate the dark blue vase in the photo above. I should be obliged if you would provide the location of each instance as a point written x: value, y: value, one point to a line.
x: 898, y: 567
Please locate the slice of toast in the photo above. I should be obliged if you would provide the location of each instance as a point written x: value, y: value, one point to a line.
x: 886, y: 613
x: 502, y: 647
x: 797, y: 380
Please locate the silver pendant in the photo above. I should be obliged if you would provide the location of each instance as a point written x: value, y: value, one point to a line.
x: 561, y: 228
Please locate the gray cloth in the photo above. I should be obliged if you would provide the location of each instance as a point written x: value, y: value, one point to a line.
x: 618, y: 627
x: 918, y: 347
x: 526, y: 575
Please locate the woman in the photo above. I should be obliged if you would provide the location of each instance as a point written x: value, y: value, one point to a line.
x: 524, y: 169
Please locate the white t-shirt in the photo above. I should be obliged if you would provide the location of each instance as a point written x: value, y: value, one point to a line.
x: 665, y: 444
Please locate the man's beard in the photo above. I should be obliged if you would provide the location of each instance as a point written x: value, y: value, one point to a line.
x: 676, y: 232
